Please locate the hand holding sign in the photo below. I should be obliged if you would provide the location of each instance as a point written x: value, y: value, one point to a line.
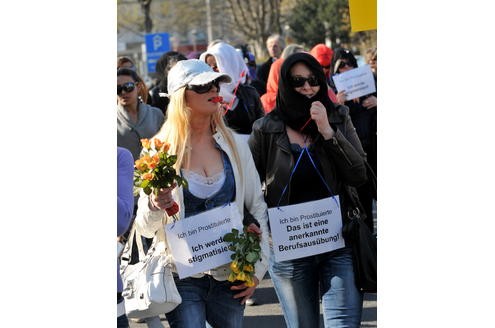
x: 355, y: 83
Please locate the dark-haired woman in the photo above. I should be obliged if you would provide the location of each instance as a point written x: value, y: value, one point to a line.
x: 135, y: 119
x: 305, y: 119
x: 363, y: 112
x: 163, y: 65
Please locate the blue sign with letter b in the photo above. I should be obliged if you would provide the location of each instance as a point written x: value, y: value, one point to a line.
x: 156, y: 45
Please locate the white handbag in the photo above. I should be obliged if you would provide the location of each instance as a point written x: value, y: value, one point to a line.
x: 149, y: 286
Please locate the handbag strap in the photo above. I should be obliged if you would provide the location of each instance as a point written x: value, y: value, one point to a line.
x: 127, y: 252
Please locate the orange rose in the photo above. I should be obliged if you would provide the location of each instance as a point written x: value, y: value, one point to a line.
x: 158, y: 144
x: 153, y: 161
x: 141, y: 164
x: 147, y: 176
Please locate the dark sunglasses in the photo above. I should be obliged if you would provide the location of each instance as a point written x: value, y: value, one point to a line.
x: 127, y: 87
x: 204, y: 88
x: 299, y: 81
x: 344, y: 64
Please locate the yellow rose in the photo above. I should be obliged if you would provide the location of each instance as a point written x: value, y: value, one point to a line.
x: 241, y: 276
x: 249, y: 281
x: 231, y: 277
x: 234, y: 267
x: 248, y: 268
x: 146, y: 143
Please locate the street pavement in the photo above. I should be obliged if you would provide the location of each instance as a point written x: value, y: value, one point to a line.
x: 267, y: 313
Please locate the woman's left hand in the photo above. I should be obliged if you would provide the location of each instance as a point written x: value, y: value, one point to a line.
x: 318, y: 113
x: 369, y: 102
x: 247, y: 291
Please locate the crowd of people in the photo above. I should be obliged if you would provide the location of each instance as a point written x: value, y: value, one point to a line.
x: 255, y: 137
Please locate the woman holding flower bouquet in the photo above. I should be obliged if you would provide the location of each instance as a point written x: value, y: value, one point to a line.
x: 219, y: 170
x: 303, y: 149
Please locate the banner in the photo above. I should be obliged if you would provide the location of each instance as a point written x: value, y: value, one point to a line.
x: 356, y: 82
x: 306, y: 229
x: 363, y: 15
x: 197, y: 242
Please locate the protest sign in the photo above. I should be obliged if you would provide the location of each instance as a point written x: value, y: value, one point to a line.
x: 356, y: 82
x: 306, y: 229
x: 197, y: 242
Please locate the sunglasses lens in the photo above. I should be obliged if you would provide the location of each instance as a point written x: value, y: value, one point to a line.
x: 299, y: 81
x: 313, y: 81
x: 127, y: 87
x: 204, y: 88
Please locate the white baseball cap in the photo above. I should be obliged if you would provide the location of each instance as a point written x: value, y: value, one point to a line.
x: 192, y: 72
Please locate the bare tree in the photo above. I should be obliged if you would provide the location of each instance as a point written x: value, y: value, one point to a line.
x: 145, y: 7
x: 255, y: 20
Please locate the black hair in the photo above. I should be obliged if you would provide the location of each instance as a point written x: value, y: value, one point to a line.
x: 163, y: 66
x: 342, y: 53
x: 128, y: 72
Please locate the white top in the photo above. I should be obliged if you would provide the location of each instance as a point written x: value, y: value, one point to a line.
x: 201, y: 186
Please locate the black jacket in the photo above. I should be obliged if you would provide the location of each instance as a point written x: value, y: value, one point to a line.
x: 248, y: 110
x: 341, y: 158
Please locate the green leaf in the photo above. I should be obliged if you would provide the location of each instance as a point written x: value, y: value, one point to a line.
x: 252, y: 257
x: 228, y: 237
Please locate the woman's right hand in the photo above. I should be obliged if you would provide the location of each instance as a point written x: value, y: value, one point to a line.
x: 162, y: 199
x: 341, y: 97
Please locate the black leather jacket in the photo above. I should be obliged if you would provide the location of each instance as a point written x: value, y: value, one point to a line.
x: 341, y: 158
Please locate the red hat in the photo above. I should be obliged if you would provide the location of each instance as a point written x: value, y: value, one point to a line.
x: 323, y: 54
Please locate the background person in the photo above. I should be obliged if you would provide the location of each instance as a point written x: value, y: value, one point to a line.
x: 244, y: 107
x: 163, y: 66
x: 135, y: 121
x: 126, y: 62
x: 276, y: 142
x: 323, y: 55
x: 363, y: 111
x: 219, y: 169
x: 125, y: 206
x: 268, y: 99
x: 275, y: 44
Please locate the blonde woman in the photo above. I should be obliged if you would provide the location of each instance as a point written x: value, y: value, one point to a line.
x: 219, y: 169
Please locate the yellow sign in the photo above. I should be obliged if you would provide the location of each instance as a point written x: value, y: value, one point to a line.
x: 363, y: 15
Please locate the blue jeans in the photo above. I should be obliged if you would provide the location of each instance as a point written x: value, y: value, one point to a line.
x: 122, y: 322
x: 300, y: 283
x: 206, y: 299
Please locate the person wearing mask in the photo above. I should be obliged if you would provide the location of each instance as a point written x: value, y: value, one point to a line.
x: 275, y: 45
x: 363, y: 113
x: 219, y: 169
x: 125, y: 205
x: 242, y: 105
x: 305, y: 119
x: 158, y: 93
